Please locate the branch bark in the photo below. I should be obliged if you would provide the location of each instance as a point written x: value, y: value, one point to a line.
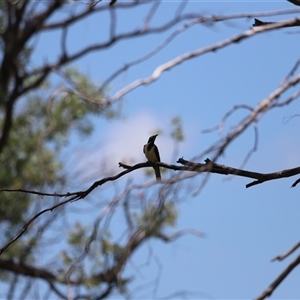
x: 268, y: 292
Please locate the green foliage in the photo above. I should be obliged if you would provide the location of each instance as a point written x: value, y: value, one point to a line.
x: 77, y: 237
x: 177, y: 132
x: 42, y: 124
x: 67, y: 108
x: 26, y: 162
x: 155, y: 218
x: 21, y: 251
x: 113, y: 251
x: 78, y: 241
x: 88, y: 93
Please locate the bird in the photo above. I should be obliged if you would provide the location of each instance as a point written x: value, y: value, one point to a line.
x: 296, y: 2
x: 261, y: 23
x: 152, y: 154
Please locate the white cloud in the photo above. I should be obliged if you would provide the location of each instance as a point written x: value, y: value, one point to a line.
x: 123, y: 142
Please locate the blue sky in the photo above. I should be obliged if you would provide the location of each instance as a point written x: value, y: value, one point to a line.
x: 244, y: 228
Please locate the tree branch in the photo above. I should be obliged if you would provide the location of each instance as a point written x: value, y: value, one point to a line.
x: 15, y: 37
x: 289, y: 252
x: 296, y: 2
x: 87, y: 12
x: 209, y: 166
x: 38, y: 273
x: 268, y: 292
x: 178, y: 234
x: 189, y: 55
x: 225, y: 170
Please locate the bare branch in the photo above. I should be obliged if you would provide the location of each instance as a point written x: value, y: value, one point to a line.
x: 11, y: 65
x: 264, y: 106
x: 151, y: 13
x: 189, y: 55
x: 63, y: 60
x: 268, y: 292
x: 196, y: 19
x: 178, y: 234
x: 37, y: 273
x: 296, y: 2
x: 289, y: 252
x: 292, y: 72
x: 143, y: 58
x: 88, y: 12
x: 296, y: 182
x: 44, y: 194
x: 25, y: 227
x: 209, y: 166
x: 225, y: 170
x: 26, y: 270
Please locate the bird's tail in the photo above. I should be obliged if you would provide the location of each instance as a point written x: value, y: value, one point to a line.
x: 157, y: 173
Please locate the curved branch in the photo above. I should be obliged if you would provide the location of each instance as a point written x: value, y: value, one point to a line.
x: 225, y: 170
x: 209, y: 166
x: 189, y: 55
x: 15, y: 36
x: 268, y: 292
x: 26, y: 270
x: 265, y: 105
x: 86, y: 13
x: 178, y: 234
x: 37, y: 273
x: 289, y: 252
x: 296, y: 2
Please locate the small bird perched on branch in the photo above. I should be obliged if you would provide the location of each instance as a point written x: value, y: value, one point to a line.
x: 261, y: 23
x: 152, y: 154
x: 296, y: 2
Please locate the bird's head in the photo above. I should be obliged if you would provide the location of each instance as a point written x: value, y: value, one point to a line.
x: 152, y: 138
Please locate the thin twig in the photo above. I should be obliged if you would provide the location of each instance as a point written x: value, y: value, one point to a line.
x: 268, y: 292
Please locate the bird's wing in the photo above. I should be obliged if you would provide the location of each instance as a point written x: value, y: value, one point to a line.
x: 156, y: 152
x: 296, y: 2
